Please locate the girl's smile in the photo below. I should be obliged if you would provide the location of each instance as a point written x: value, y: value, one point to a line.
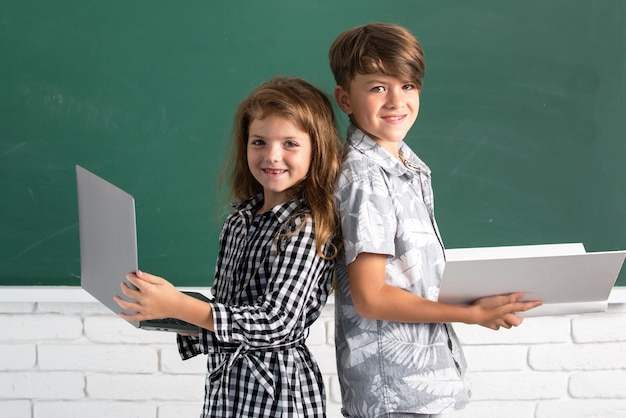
x: 271, y: 172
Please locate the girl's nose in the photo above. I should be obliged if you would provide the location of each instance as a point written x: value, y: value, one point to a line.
x: 273, y: 154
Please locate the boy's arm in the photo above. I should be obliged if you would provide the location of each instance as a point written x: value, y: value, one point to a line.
x: 374, y: 299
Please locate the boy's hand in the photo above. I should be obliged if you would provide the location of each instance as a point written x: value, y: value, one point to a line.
x: 500, y: 311
x: 154, y: 298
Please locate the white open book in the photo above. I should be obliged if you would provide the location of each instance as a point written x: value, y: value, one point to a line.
x: 565, y: 277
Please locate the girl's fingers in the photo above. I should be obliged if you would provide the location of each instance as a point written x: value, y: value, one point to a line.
x: 129, y: 291
x: 126, y: 305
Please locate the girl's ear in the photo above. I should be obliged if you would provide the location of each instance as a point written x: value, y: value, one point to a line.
x: 343, y: 99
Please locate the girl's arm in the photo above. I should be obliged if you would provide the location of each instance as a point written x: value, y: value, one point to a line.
x: 298, y: 280
x: 155, y: 298
x: 374, y: 299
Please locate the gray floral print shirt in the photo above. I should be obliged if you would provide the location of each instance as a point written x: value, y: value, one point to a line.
x: 386, y: 207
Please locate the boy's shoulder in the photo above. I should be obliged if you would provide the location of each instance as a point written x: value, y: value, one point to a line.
x: 357, y: 164
x: 360, y: 171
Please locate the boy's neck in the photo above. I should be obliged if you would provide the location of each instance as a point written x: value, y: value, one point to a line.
x: 392, y: 148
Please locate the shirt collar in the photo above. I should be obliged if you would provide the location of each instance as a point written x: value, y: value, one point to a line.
x: 370, y: 148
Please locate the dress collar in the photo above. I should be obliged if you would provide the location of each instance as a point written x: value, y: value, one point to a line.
x: 281, y: 211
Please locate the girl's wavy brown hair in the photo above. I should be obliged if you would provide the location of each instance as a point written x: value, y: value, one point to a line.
x: 308, y: 108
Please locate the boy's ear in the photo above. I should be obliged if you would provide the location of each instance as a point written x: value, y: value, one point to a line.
x: 343, y: 100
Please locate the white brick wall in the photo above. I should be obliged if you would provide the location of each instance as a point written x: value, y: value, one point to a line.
x: 64, y: 355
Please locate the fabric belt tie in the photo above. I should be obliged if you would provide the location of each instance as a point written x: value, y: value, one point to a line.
x: 259, y: 369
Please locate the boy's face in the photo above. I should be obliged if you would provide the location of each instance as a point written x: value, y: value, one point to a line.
x: 382, y: 106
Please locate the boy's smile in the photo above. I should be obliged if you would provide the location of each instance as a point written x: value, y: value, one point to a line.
x: 382, y: 106
x: 279, y: 157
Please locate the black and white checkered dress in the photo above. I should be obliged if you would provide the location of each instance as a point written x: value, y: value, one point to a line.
x: 268, y: 291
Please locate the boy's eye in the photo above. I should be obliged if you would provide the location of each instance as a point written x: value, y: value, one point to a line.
x: 408, y: 86
x: 378, y: 89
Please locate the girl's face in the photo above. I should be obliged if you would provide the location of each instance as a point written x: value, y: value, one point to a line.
x: 279, y: 157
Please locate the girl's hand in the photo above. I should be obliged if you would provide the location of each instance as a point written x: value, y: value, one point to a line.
x: 500, y: 311
x: 154, y: 297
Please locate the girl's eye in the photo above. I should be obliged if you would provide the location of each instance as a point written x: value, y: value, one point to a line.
x: 256, y: 142
x: 291, y: 144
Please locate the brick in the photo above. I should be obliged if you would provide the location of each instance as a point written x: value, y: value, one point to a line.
x: 72, y: 308
x: 112, y: 329
x: 171, y: 362
x: 29, y: 327
x: 17, y: 307
x: 599, y: 328
x: 145, y: 387
x: 598, y: 384
x: 333, y: 410
x: 481, y: 358
x: 100, y: 409
x: 36, y: 385
x: 582, y: 409
x: 179, y: 410
x: 17, y: 357
x: 317, y: 333
x: 333, y: 390
x: 578, y: 357
x: 92, y: 357
x: 537, y: 330
x: 495, y: 409
x: 518, y: 386
x: 15, y: 409
x: 330, y: 333
x: 325, y: 357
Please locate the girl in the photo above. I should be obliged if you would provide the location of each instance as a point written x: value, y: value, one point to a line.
x: 275, y: 263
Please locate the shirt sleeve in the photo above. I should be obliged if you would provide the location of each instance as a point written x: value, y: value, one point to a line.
x: 366, y: 211
x: 188, y: 346
x: 297, y: 280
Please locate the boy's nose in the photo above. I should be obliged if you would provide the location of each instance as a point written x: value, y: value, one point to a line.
x: 394, y: 99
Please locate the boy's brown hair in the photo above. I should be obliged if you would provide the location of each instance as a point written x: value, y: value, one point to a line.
x: 377, y: 47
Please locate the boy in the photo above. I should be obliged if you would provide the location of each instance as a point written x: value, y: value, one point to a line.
x: 397, y: 354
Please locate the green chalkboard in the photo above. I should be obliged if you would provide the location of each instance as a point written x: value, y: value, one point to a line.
x: 522, y: 117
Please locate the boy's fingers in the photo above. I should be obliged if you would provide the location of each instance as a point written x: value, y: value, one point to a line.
x: 513, y: 320
x: 524, y: 306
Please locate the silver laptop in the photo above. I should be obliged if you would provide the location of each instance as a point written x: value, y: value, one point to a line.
x: 108, y: 246
x: 565, y: 277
